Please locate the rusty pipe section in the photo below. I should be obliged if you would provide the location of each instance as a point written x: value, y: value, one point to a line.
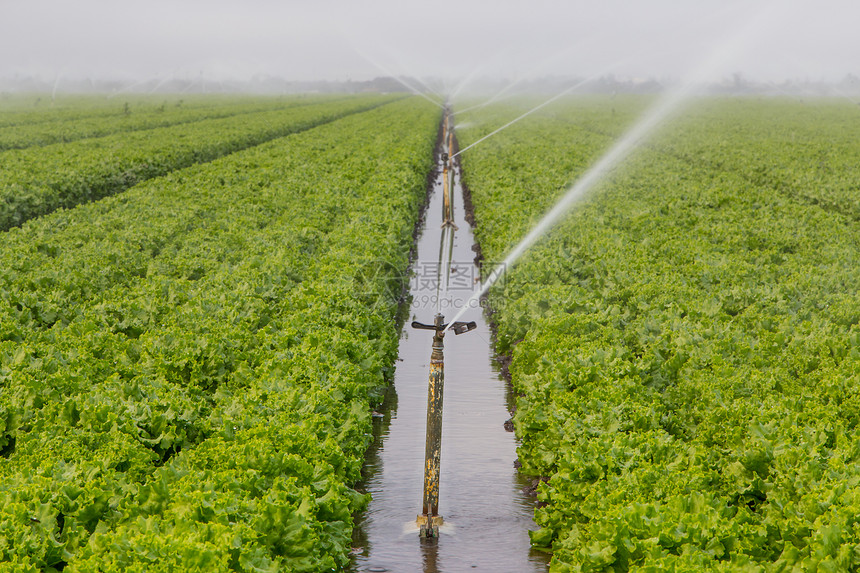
x: 447, y: 182
x: 430, y: 520
x: 447, y: 220
x: 433, y: 445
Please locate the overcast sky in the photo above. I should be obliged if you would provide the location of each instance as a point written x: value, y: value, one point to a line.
x: 362, y: 39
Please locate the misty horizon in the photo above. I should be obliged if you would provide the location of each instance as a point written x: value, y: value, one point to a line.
x: 58, y: 45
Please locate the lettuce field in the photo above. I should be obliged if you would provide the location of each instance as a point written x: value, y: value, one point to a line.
x: 188, y: 367
x: 685, y: 345
x: 200, y: 304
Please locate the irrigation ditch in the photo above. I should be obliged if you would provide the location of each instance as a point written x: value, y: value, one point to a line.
x: 485, y: 510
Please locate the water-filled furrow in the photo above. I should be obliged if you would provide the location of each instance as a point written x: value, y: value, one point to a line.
x: 486, y: 513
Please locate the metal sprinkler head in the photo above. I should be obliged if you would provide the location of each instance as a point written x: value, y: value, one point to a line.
x: 458, y: 327
x: 463, y: 327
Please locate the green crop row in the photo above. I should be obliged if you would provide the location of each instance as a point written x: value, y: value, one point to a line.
x: 805, y: 149
x: 36, y: 181
x: 32, y: 109
x: 125, y: 118
x: 774, y: 142
x: 685, y: 345
x: 187, y: 369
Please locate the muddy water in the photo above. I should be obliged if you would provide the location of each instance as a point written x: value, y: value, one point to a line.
x: 486, y: 514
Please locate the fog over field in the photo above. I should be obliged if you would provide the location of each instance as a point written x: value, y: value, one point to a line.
x: 339, y: 40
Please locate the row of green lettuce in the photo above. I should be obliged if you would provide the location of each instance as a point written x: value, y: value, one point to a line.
x: 686, y: 344
x: 804, y: 149
x: 39, y: 108
x: 187, y: 369
x: 773, y: 142
x: 38, y: 180
x: 118, y: 116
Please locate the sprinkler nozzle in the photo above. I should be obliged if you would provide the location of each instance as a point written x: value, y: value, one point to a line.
x: 463, y: 327
x: 458, y: 327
